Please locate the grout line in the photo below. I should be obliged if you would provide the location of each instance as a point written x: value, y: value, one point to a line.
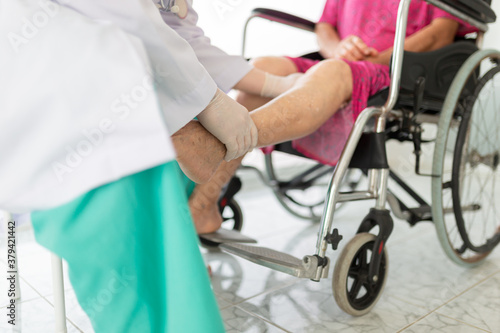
x: 409, y: 302
x: 448, y: 301
x: 276, y: 288
x: 48, y: 301
x: 263, y: 319
x: 463, y: 322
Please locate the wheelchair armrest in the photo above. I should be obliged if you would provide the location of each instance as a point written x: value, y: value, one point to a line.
x: 284, y: 18
x: 475, y: 12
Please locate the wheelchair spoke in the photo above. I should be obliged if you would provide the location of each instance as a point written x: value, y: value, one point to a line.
x: 356, y: 287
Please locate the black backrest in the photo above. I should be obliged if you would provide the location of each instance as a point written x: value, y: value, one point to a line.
x: 437, y: 67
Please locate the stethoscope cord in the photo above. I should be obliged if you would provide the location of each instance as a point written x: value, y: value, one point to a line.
x: 170, y: 7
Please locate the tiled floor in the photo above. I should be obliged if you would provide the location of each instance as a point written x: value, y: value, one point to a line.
x: 425, y: 291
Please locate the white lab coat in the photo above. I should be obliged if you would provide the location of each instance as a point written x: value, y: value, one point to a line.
x: 79, y: 109
x: 226, y: 70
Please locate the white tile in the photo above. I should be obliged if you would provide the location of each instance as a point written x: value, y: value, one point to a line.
x: 479, y: 306
x: 421, y: 274
x: 74, y: 312
x: 310, y: 307
x: 238, y: 321
x: 34, y: 263
x: 234, y: 279
x: 27, y: 293
x: 436, y: 323
x: 33, y: 316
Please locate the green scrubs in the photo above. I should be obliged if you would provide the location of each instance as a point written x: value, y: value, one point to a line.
x: 133, y: 256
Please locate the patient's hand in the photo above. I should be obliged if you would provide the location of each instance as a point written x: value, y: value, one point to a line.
x: 354, y: 49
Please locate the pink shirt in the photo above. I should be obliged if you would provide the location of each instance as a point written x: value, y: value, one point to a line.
x: 375, y: 21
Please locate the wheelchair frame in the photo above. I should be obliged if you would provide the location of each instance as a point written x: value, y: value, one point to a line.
x: 316, y: 266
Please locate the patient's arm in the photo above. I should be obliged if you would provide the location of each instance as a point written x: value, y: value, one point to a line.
x: 440, y: 32
x: 328, y: 39
x: 199, y: 153
x: 332, y: 46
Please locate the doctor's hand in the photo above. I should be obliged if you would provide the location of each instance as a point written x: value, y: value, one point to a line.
x: 230, y: 122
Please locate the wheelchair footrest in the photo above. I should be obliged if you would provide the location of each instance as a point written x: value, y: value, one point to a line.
x: 276, y: 260
x: 227, y: 236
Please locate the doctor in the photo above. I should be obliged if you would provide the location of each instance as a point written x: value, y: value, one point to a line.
x: 229, y: 72
x: 86, y: 129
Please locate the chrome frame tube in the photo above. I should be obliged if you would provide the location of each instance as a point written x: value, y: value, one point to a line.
x: 356, y: 195
x: 372, y: 180
x: 244, y: 42
x: 332, y: 195
x: 382, y: 189
x: 397, y: 61
x: 333, y: 190
x: 480, y: 39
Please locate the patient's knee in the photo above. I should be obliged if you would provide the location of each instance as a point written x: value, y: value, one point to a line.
x: 333, y: 74
x: 333, y: 68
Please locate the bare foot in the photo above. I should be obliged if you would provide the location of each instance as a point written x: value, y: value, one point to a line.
x: 203, y: 200
x: 199, y: 153
x: 205, y: 214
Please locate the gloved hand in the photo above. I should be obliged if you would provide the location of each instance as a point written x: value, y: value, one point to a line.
x: 230, y: 122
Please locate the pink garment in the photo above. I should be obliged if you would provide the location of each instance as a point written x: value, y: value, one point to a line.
x: 375, y: 23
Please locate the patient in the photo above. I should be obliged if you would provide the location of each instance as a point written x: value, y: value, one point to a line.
x: 355, y: 37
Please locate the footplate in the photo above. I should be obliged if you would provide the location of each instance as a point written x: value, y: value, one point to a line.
x: 279, y: 261
x: 227, y: 236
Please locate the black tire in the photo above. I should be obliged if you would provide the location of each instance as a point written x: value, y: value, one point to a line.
x: 466, y: 185
x: 353, y: 292
x: 476, y: 160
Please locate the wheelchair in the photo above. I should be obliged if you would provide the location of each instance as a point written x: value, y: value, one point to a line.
x: 454, y: 88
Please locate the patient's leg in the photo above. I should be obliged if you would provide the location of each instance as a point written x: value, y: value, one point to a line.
x: 315, y: 97
x: 275, y: 65
x: 199, y: 153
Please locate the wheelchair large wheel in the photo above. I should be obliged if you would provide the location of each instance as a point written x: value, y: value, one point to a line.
x: 466, y: 165
x: 303, y: 193
x: 353, y: 292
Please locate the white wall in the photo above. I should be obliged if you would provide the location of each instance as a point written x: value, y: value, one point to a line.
x: 223, y: 22
x: 492, y: 37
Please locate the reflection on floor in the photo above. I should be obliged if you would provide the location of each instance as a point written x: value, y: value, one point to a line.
x: 425, y: 291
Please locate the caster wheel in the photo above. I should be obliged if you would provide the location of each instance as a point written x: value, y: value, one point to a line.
x: 353, y: 292
x: 232, y: 216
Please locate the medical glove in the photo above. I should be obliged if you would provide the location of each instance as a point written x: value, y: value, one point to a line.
x: 230, y: 122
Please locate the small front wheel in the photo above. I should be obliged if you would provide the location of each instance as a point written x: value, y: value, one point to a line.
x: 232, y: 216
x: 353, y: 291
